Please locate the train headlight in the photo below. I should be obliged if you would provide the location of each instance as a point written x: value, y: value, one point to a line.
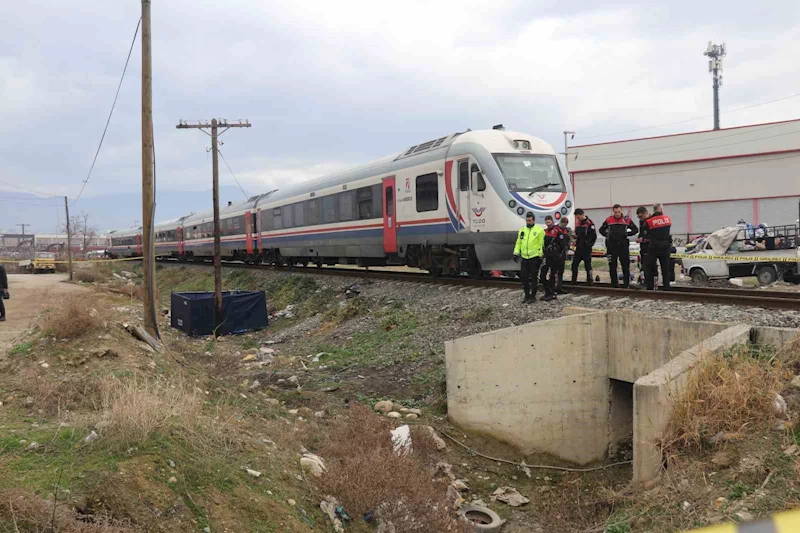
x: 558, y: 216
x: 522, y: 145
x: 563, y: 210
x: 512, y: 204
x: 520, y: 210
x: 568, y: 204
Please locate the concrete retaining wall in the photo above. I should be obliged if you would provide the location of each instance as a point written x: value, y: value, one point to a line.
x: 542, y: 387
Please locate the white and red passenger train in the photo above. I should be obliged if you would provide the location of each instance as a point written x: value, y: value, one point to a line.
x: 451, y: 205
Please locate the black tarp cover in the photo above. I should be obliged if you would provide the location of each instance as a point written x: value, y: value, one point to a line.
x: 242, y: 311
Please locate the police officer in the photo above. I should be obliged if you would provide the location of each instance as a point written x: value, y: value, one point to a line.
x: 644, y: 246
x: 563, y: 227
x: 660, y: 242
x: 3, y: 292
x: 616, y: 229
x: 529, y: 246
x: 585, y: 237
x: 555, y: 242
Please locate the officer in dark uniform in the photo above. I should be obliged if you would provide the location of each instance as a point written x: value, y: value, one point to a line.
x: 3, y: 292
x: 585, y: 237
x: 644, y: 244
x: 554, y: 244
x: 659, y: 227
x: 563, y: 227
x: 616, y: 229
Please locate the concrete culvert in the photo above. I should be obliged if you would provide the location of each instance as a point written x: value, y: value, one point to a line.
x: 481, y: 518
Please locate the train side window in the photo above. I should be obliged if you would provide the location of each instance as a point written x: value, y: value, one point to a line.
x: 478, y: 183
x: 364, y: 198
x: 276, y: 218
x: 346, y: 207
x: 427, y: 192
x: 463, y: 175
x: 329, y: 209
x: 238, y: 225
x: 377, y: 201
x: 299, y: 219
x: 287, y: 216
x: 313, y: 212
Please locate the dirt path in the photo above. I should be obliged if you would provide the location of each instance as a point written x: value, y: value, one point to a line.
x: 29, y: 295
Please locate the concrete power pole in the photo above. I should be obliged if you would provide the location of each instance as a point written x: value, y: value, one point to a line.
x: 148, y: 186
x: 69, y: 238
x: 715, y: 54
x: 213, y: 126
x: 23, y: 228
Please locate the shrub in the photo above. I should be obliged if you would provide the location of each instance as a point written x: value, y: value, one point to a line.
x: 76, y: 316
x: 87, y: 275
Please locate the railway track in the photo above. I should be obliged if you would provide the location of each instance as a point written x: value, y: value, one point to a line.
x: 709, y: 295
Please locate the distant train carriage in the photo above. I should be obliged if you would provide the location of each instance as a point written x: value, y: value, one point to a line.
x: 125, y: 243
x: 451, y: 205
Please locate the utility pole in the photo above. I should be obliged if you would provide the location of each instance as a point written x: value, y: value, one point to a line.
x: 23, y: 228
x: 214, y: 125
x: 566, y: 161
x: 69, y: 238
x: 148, y: 187
x: 715, y: 54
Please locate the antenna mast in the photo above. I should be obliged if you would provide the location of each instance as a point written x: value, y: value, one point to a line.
x: 715, y: 54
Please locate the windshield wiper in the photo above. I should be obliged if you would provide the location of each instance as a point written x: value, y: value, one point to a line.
x: 540, y: 187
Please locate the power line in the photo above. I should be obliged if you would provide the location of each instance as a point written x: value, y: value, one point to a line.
x: 690, y: 119
x: 108, y: 121
x: 246, y: 196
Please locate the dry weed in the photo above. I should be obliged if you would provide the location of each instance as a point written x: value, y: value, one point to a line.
x: 728, y: 392
x: 24, y: 511
x: 135, y: 408
x: 364, y: 474
x: 75, y: 317
x: 54, y: 395
x: 89, y: 275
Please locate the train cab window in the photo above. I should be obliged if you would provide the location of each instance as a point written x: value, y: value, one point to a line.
x: 364, y: 199
x: 313, y: 212
x: 299, y: 218
x: 427, y: 192
x: 463, y: 175
x: 329, y: 209
x: 346, y: 207
x: 478, y: 183
x: 276, y: 218
x: 287, y: 216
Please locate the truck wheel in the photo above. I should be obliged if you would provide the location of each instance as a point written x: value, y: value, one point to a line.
x: 481, y: 518
x: 698, y: 276
x: 767, y: 275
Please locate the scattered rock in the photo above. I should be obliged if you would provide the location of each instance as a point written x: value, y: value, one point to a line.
x: 255, y: 384
x: 394, y: 414
x: 45, y: 365
x: 439, y: 441
x: 291, y: 502
x: 266, y: 351
x: 171, y: 463
x: 292, y: 411
x: 305, y: 412
x: 460, y: 485
x: 316, y: 357
x: 796, y: 382
x: 417, y: 412
x: 779, y: 404
x: 397, y: 407
x: 384, y: 406
x: 34, y: 446
x: 172, y: 480
x: 720, y: 502
x: 791, y: 450
x: 722, y: 460
x: 253, y: 473
x: 411, y: 416
x: 313, y: 464
x: 206, y: 529
x: 28, y: 401
x: 273, y: 401
x: 294, y: 380
x: 509, y: 496
x: 249, y: 357
x: 104, y: 352
x: 686, y: 506
x: 744, y: 516
x: 91, y: 436
x: 334, y: 388
x: 401, y: 440
x: 319, y: 414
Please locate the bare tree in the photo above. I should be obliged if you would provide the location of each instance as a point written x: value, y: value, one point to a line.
x: 87, y: 231
x: 79, y: 227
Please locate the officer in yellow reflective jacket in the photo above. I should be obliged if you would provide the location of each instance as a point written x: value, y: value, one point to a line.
x: 530, y: 247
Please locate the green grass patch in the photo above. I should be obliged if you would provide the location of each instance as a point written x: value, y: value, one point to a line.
x: 478, y: 314
x: 21, y: 349
x: 618, y: 523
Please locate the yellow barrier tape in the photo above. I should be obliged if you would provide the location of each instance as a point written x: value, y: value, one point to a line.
x: 749, y: 258
x: 788, y: 522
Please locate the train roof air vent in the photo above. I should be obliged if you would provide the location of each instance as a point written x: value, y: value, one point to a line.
x: 426, y: 146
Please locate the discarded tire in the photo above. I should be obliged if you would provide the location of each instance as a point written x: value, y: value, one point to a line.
x: 481, y: 518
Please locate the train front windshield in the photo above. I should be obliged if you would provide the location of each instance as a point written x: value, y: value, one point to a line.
x: 530, y: 173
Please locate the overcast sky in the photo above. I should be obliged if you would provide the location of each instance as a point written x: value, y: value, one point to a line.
x: 329, y: 84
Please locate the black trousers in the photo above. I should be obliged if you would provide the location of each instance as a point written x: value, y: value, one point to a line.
x: 619, y: 253
x: 650, y: 261
x: 2, y: 305
x: 552, y: 269
x: 585, y: 255
x: 529, y: 272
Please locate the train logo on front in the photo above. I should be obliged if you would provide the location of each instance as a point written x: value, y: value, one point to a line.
x: 408, y: 184
x: 478, y: 211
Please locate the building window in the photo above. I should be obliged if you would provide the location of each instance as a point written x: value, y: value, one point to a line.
x: 329, y: 209
x: 463, y: 175
x: 346, y: 206
x: 364, y: 199
x: 427, y: 192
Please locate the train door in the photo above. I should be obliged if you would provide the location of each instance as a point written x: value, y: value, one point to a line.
x: 179, y: 233
x: 389, y: 216
x: 248, y: 232
x: 258, y: 232
x: 462, y: 184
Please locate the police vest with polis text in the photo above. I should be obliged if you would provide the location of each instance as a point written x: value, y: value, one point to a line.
x: 658, y: 230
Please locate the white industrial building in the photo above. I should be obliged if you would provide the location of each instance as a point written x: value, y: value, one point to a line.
x: 706, y: 180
